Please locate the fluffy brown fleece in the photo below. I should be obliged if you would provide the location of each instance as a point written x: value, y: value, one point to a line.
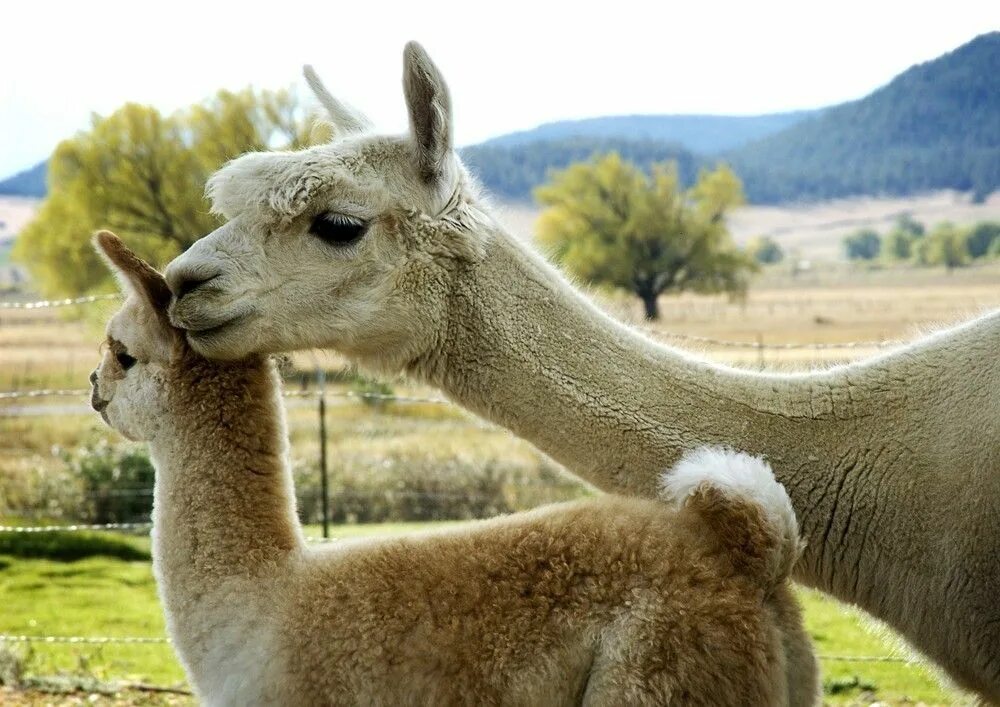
x: 610, y: 601
x: 891, y: 463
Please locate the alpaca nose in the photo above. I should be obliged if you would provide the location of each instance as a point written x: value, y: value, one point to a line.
x: 183, y: 282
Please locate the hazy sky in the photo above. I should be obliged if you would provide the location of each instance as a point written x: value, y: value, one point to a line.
x: 511, y: 65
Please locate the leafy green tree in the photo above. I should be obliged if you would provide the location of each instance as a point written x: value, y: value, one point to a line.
x: 862, y: 245
x: 765, y: 250
x: 609, y: 222
x: 944, y: 245
x: 910, y: 226
x: 897, y: 245
x: 142, y: 174
x: 982, y: 237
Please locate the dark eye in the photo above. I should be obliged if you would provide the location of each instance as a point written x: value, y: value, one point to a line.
x: 337, y: 229
x: 125, y: 361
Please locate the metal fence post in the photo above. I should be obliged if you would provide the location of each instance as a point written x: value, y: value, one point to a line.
x: 324, y: 480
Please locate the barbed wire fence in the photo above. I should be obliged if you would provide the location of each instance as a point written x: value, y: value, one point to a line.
x: 321, y: 395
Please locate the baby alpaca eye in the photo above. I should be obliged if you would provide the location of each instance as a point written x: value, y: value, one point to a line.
x: 124, y: 360
x: 337, y: 229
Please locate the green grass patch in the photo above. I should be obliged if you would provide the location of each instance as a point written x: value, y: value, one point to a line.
x: 108, y: 596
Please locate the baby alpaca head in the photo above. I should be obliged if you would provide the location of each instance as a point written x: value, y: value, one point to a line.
x: 129, y: 385
x: 346, y: 244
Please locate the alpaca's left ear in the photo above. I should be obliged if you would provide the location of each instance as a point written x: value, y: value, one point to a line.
x: 429, y: 105
x: 134, y: 272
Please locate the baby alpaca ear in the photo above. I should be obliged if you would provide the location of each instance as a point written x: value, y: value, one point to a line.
x: 133, y: 273
x: 429, y: 106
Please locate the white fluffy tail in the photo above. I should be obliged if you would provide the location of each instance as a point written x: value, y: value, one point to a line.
x: 710, y: 476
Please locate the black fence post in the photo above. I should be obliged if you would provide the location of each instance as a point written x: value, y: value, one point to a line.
x: 323, y: 478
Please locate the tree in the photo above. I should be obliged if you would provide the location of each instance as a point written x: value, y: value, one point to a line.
x: 945, y: 245
x: 982, y: 237
x: 862, y: 245
x: 910, y: 226
x: 142, y: 174
x: 897, y: 245
x: 765, y: 250
x: 609, y: 222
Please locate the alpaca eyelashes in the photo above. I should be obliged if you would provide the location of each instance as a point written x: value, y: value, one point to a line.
x: 124, y: 360
x: 337, y: 229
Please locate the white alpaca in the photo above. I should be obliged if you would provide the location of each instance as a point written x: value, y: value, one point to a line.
x: 379, y: 247
x: 613, y: 601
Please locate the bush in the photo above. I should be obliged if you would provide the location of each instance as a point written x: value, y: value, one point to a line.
x: 982, y: 238
x: 404, y: 487
x: 117, y: 482
x: 31, y: 487
x: 765, y: 250
x: 863, y: 245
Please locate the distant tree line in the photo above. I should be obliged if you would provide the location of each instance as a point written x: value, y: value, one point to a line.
x: 909, y: 241
x: 514, y: 171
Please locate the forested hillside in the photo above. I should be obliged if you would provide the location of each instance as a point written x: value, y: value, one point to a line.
x: 513, y: 171
x: 708, y: 134
x: 30, y: 182
x: 935, y: 126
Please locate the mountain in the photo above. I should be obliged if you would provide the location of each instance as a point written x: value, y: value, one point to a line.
x: 935, y: 126
x: 512, y: 171
x: 707, y: 134
x: 30, y: 182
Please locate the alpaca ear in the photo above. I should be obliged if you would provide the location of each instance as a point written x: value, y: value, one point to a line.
x: 134, y: 274
x: 345, y: 119
x: 429, y: 106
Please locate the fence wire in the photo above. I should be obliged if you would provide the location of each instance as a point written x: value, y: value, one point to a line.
x: 355, y: 395
x: 52, y: 303
x: 704, y: 340
x: 345, y: 395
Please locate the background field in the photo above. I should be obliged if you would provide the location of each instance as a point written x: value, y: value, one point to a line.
x: 106, y: 594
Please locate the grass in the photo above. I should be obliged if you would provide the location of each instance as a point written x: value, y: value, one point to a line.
x: 108, y: 589
x: 107, y: 596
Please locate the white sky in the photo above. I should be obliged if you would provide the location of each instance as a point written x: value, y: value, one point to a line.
x: 510, y: 65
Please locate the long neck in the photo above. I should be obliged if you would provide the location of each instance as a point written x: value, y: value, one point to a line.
x: 528, y: 352
x: 223, y: 503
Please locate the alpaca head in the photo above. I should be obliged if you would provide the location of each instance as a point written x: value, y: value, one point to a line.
x: 129, y: 384
x: 347, y: 244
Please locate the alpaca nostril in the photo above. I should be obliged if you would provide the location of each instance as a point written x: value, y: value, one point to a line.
x: 186, y: 284
x: 93, y: 377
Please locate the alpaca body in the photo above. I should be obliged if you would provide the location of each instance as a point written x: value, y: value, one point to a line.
x: 596, y: 602
x: 679, y: 601
x: 892, y: 464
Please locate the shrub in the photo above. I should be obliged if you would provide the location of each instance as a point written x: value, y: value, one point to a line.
x: 405, y: 487
x: 765, y: 250
x: 862, y: 245
x: 117, y: 482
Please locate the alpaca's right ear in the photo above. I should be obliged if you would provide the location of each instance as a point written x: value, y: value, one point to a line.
x: 345, y: 119
x: 134, y: 273
x: 429, y: 105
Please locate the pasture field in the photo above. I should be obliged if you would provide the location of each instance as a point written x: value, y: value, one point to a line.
x: 107, y: 595
x: 111, y: 592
